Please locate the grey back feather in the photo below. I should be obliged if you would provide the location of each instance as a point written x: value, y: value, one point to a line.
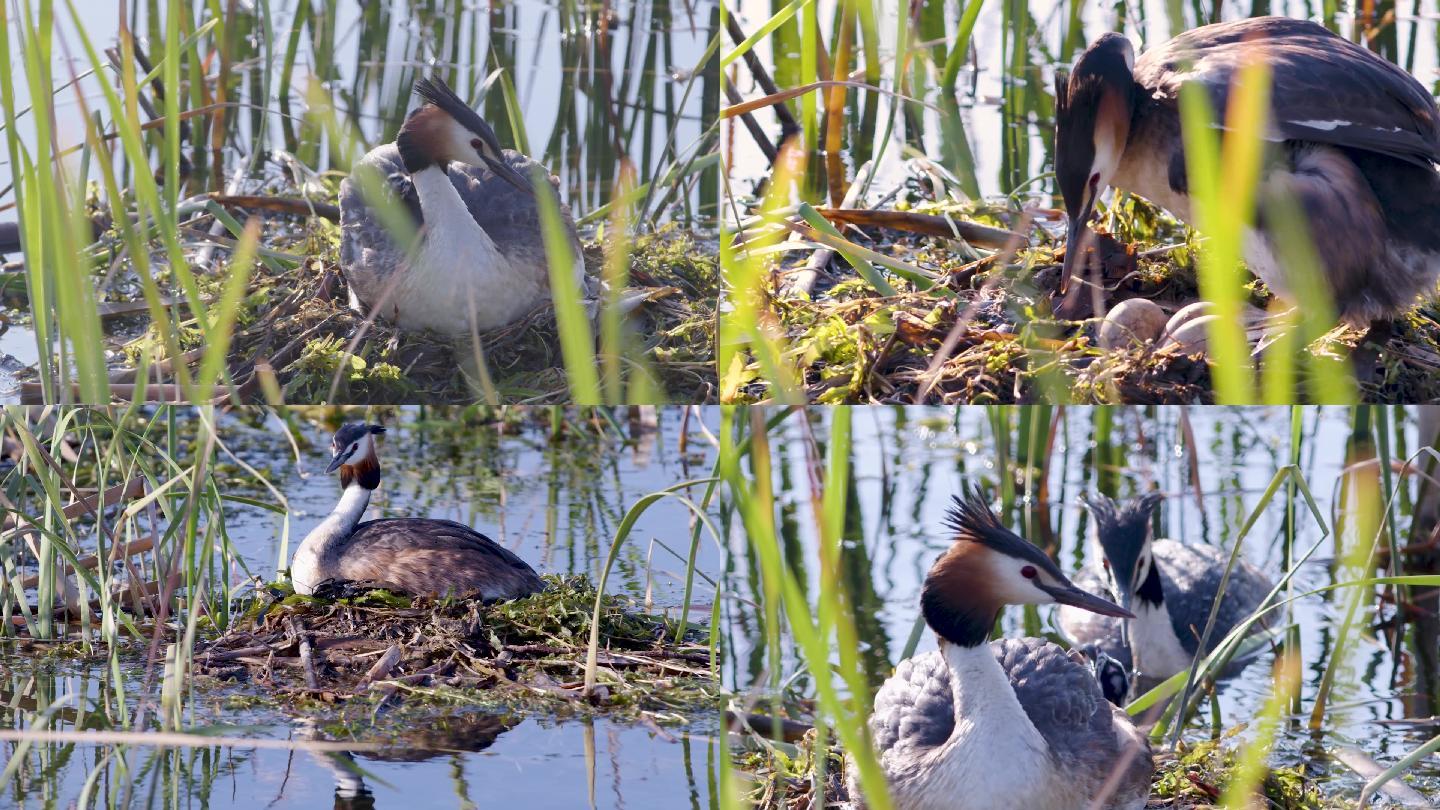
x: 915, y: 710
x: 1190, y: 575
x: 510, y: 216
x: 1325, y: 88
x: 1064, y: 702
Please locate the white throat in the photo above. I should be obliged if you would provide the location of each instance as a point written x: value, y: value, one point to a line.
x: 459, y: 280
x: 318, y: 557
x: 1156, y: 649
x: 447, y: 219
x: 995, y: 753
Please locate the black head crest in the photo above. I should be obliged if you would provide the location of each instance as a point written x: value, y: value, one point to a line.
x: 437, y: 92
x: 351, y: 432
x: 971, y: 518
x: 1123, y: 529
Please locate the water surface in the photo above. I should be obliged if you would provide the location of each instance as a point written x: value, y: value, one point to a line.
x: 993, y: 134
x: 909, y: 462
x: 556, y: 504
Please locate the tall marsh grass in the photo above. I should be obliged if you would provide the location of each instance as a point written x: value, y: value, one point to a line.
x: 812, y: 570
x: 826, y: 110
x: 119, y: 555
x: 199, y: 102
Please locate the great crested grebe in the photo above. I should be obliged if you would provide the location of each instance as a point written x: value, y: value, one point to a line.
x: 1356, y: 143
x: 1168, y: 585
x: 1005, y: 724
x: 480, y: 263
x: 421, y: 556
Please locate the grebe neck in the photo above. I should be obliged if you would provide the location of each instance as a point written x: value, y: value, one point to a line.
x: 317, y: 559
x: 444, y: 209
x: 978, y: 682
x: 351, y: 507
x: 990, y: 727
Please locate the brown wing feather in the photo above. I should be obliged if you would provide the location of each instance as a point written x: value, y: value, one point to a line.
x: 1325, y: 88
x: 435, y: 557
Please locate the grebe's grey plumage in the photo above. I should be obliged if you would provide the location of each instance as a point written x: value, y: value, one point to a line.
x: 1357, y: 143
x: 481, y: 261
x: 1170, y: 586
x: 1003, y: 724
x: 421, y: 556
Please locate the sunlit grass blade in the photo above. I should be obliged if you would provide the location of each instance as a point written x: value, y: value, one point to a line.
x: 577, y: 342
x: 863, y: 267
x: 227, y: 309
x: 754, y: 499
x: 749, y: 331
x: 622, y: 533
x: 616, y: 279
x: 1329, y: 379
x: 776, y: 20
x: 516, y: 117
x: 961, y: 47
x: 1223, y: 178
x: 1252, y: 765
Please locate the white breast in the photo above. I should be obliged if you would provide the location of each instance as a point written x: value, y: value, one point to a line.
x: 318, y: 557
x: 995, y: 760
x: 459, y: 281
x: 1157, y: 650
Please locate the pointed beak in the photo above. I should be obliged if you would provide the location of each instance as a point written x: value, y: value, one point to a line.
x: 1127, y: 597
x: 1124, y: 585
x: 336, y: 462
x: 1070, y: 293
x: 1073, y: 251
x: 1068, y: 594
x: 508, y: 174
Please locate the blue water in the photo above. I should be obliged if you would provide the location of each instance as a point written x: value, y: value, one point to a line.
x: 909, y: 463
x: 557, y: 508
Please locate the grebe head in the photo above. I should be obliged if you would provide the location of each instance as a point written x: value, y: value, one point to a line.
x: 1124, y: 533
x: 1092, y: 124
x: 353, y: 454
x: 446, y: 129
x: 987, y: 568
x: 1114, y: 679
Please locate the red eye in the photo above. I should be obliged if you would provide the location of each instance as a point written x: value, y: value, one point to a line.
x: 1106, y: 563
x: 1028, y: 572
x: 478, y: 145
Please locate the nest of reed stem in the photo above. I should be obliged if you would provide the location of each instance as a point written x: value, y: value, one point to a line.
x: 968, y: 317
x: 296, y: 338
x: 357, y: 643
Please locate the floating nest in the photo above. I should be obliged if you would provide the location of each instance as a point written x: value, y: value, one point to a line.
x: 358, y: 643
x: 296, y: 338
x: 984, y: 331
x: 316, y: 349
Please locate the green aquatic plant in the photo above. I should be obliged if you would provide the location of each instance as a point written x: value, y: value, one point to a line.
x: 1034, y: 457
x: 195, y: 127
x: 1196, y: 774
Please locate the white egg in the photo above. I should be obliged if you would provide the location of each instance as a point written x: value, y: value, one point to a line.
x: 1134, y: 320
